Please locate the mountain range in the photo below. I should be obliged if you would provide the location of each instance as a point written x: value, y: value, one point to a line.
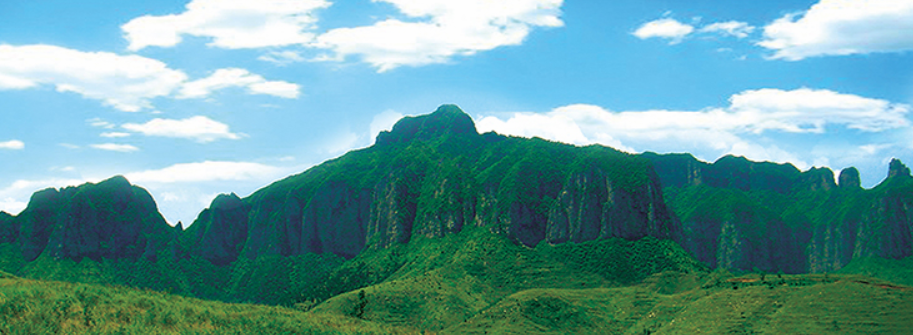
x: 433, y: 196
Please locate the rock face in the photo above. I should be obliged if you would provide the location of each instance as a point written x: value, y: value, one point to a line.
x: 219, y: 231
x: 432, y: 175
x: 9, y: 228
x: 590, y: 207
x: 111, y: 219
x: 741, y: 214
x: 849, y: 178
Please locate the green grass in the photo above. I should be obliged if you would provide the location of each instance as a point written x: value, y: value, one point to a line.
x: 477, y: 282
x: 48, y: 307
x: 898, y: 271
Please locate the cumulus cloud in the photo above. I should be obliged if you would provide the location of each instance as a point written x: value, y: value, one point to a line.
x: 206, y: 171
x: 666, y: 28
x: 383, y: 121
x: 842, y: 27
x: 14, y: 198
x: 126, y: 83
x: 729, y: 28
x: 437, y: 30
x: 12, y: 145
x: 234, y: 77
x: 199, y: 128
x: 734, y: 129
x: 115, y: 147
x: 232, y: 24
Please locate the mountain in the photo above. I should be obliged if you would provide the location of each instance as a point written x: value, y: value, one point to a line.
x: 740, y: 214
x: 432, y: 175
x: 111, y: 219
x: 439, y: 228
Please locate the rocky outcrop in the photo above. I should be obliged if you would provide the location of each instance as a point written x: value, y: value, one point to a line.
x: 333, y: 221
x: 111, y: 219
x: 220, y: 230
x: 849, y: 179
x: 46, y: 208
x: 432, y: 175
x: 732, y: 172
x: 808, y: 223
x: 591, y: 207
x: 9, y: 228
x: 896, y: 169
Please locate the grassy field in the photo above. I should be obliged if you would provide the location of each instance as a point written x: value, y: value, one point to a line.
x: 48, y: 307
x: 664, y: 303
x: 477, y: 282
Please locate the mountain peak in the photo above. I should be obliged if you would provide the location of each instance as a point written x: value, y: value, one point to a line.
x: 849, y: 178
x: 447, y: 119
x: 897, y: 168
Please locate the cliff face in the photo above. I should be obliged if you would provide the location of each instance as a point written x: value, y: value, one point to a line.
x: 590, y: 207
x: 433, y: 174
x: 219, y: 231
x: 111, y: 219
x: 777, y: 218
x: 9, y: 228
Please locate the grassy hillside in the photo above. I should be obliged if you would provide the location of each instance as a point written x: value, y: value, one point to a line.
x: 48, y: 307
x: 670, y: 302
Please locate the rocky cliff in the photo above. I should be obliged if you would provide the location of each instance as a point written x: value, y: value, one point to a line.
x: 741, y: 214
x: 111, y: 219
x: 431, y: 175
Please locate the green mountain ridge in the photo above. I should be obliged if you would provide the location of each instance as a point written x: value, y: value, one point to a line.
x: 438, y: 228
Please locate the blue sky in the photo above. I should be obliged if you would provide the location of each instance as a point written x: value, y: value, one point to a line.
x: 194, y: 98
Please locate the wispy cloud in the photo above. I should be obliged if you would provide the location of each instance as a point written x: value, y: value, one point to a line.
x: 199, y: 128
x: 233, y: 77
x: 115, y: 147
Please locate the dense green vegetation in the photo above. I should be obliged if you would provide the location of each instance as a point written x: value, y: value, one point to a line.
x: 669, y: 302
x: 438, y: 229
x: 48, y: 307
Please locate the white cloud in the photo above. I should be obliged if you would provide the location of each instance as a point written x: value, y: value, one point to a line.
x: 13, y: 198
x: 232, y: 24
x: 233, y: 77
x: 115, y: 147
x: 114, y: 135
x: 199, y: 128
x: 666, y: 28
x: 807, y: 110
x: 98, y: 122
x: 729, y: 28
x: 126, y: 83
x: 842, y: 27
x: 12, y: 206
x: 341, y: 143
x: 383, y: 121
x: 206, y: 171
x: 282, y: 57
x: 12, y: 145
x: 437, y: 30
x: 735, y: 129
x: 553, y: 126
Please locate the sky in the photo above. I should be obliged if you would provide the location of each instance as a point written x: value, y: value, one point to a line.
x: 192, y: 98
